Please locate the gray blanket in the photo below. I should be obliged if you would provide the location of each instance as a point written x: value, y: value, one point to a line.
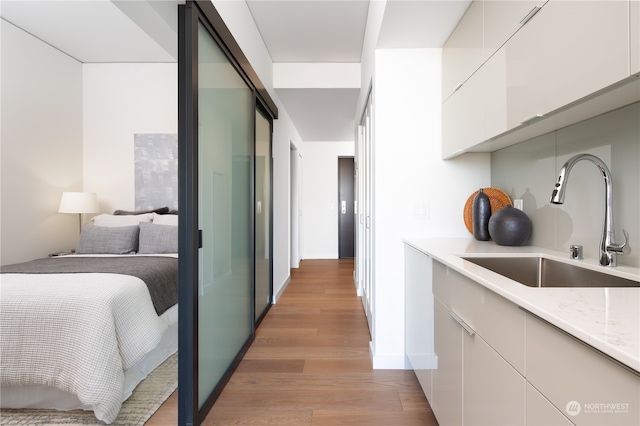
x: 160, y: 274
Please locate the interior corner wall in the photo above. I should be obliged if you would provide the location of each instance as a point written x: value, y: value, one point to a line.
x: 41, y: 146
x: 416, y: 193
x: 121, y: 100
x: 320, y: 197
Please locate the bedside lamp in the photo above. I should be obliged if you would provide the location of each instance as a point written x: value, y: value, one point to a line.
x: 79, y: 203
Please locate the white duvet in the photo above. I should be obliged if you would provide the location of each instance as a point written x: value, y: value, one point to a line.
x: 77, y: 333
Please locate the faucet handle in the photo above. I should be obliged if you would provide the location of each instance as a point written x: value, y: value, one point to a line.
x: 620, y: 248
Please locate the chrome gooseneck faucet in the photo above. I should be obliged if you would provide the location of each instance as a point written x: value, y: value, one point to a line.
x: 608, y: 248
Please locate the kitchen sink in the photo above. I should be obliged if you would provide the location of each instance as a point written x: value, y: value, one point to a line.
x: 543, y: 272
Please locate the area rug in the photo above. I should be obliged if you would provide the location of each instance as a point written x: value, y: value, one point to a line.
x: 147, y: 397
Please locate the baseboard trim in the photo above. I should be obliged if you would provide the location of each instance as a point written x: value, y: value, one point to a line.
x: 282, y: 289
x: 387, y: 362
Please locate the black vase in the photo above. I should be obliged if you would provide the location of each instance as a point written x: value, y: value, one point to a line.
x: 510, y: 227
x: 480, y: 214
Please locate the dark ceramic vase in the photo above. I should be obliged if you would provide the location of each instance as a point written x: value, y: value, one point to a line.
x: 510, y: 227
x: 480, y: 214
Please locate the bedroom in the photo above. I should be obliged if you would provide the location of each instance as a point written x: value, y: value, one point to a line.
x: 72, y: 110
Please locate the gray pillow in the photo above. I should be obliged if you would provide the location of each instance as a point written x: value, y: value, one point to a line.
x: 108, y: 240
x: 157, y: 239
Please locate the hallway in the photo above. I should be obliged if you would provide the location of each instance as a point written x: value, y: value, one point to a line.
x: 310, y: 365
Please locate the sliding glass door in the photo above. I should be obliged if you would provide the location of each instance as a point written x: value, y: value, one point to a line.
x: 263, y: 284
x: 225, y: 140
x: 225, y: 208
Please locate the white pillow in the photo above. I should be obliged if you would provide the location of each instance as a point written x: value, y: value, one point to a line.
x: 165, y: 219
x: 121, y: 220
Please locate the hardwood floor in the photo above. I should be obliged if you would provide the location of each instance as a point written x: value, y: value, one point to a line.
x: 309, y: 363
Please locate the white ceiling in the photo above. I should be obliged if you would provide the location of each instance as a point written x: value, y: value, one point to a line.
x: 312, y: 31
x: 333, y: 31
x: 101, y: 30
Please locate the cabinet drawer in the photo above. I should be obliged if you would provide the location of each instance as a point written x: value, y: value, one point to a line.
x: 500, y: 322
x: 581, y: 382
x: 540, y: 412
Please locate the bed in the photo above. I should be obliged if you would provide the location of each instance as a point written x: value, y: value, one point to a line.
x: 82, y: 331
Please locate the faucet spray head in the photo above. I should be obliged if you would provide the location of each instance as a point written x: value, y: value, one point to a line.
x: 557, y: 196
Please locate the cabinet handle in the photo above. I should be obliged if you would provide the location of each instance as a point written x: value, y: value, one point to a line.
x: 530, y: 119
x: 463, y: 324
x: 530, y: 15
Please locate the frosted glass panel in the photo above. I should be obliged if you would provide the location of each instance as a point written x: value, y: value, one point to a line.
x: 263, y: 214
x: 225, y: 140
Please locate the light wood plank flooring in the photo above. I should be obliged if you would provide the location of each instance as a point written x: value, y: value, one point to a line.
x: 309, y: 364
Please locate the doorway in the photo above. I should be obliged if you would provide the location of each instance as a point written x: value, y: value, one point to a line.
x: 346, y: 209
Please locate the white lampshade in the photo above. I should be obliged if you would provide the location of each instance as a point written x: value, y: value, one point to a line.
x: 79, y: 202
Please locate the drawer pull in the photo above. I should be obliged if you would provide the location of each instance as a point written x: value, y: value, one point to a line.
x: 530, y: 15
x: 530, y: 119
x: 463, y: 324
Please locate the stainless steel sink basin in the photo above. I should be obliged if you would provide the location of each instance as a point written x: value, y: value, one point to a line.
x: 542, y: 272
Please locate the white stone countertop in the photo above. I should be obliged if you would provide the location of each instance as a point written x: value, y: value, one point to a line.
x: 607, y: 319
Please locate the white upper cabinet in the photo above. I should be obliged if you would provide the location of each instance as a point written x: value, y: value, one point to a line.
x: 462, y: 54
x: 561, y: 66
x: 463, y: 118
x: 503, y: 18
x: 635, y: 36
x: 569, y: 50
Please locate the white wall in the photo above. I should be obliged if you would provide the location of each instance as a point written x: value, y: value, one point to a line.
x: 41, y: 146
x: 320, y: 197
x: 119, y: 101
x: 411, y: 178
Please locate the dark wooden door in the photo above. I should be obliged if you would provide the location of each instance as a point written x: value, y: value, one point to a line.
x: 346, y: 207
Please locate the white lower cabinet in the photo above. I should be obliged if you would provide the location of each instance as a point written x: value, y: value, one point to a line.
x: 498, y: 364
x: 418, y: 310
x: 540, y: 412
x: 446, y: 401
x: 492, y: 390
x: 474, y: 384
x: 585, y: 385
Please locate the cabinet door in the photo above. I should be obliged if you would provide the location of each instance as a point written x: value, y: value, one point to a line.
x: 502, y: 18
x: 462, y: 53
x: 569, y: 50
x: 580, y: 382
x: 493, y: 391
x: 635, y: 36
x: 447, y: 378
x: 463, y: 118
x: 419, y: 316
x: 540, y: 412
